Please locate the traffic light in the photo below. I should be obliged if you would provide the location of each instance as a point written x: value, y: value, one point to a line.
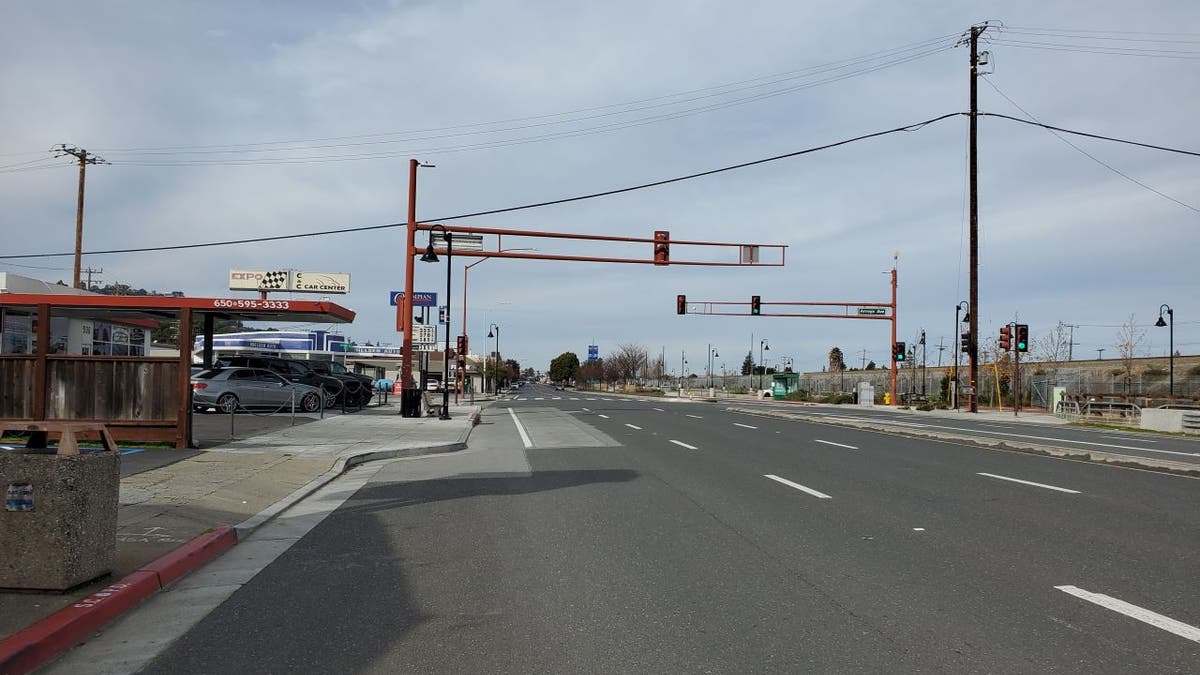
x: 964, y: 341
x: 462, y: 344
x: 1022, y: 337
x: 898, y: 351
x: 662, y: 248
x: 681, y: 304
x: 1006, y: 338
x: 755, y: 305
x: 443, y: 313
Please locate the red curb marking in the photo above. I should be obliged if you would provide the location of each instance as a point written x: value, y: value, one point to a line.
x: 31, y: 647
x: 191, y: 555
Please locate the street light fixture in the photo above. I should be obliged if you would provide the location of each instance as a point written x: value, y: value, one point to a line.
x: 762, y: 346
x: 1171, y: 349
x: 431, y: 257
x: 494, y: 332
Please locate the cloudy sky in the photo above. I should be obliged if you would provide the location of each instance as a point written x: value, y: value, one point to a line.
x: 227, y: 120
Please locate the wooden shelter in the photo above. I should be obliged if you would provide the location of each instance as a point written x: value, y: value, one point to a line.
x: 143, y: 398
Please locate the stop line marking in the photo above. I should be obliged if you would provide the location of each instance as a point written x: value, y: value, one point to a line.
x: 808, y: 490
x: 684, y: 445
x: 1142, y: 614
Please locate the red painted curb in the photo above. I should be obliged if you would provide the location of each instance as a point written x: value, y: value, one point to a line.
x: 31, y: 647
x: 191, y: 555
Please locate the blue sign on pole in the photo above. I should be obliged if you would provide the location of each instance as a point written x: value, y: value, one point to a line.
x: 420, y: 298
x: 593, y: 353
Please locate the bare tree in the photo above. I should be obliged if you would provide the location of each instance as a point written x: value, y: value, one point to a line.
x: 629, y: 360
x: 1130, y: 340
x: 1053, y: 348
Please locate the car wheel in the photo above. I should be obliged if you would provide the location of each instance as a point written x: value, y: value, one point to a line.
x: 227, y: 402
x: 311, y: 402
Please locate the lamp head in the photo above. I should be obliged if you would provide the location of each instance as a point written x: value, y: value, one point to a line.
x: 1160, y: 323
x: 429, y: 256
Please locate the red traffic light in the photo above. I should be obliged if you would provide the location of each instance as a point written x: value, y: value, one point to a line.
x: 1006, y: 338
x: 681, y: 304
x: 662, y: 248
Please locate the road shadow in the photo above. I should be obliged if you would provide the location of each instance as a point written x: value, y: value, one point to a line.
x: 342, y: 599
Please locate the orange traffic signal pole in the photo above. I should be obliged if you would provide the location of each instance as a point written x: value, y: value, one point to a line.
x: 749, y: 256
x: 707, y: 309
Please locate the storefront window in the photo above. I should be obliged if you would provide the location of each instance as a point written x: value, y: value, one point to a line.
x: 16, y: 333
x: 116, y: 340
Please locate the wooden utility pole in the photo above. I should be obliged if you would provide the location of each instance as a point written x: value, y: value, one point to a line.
x: 84, y: 158
x: 974, y: 226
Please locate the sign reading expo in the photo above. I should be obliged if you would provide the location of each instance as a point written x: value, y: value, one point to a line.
x: 289, y: 280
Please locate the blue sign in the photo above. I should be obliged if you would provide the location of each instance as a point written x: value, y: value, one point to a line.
x: 420, y: 298
x: 593, y: 353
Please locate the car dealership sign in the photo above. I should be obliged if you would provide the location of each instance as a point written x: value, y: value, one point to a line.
x: 289, y: 280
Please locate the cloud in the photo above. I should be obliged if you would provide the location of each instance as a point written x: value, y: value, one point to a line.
x: 1062, y: 238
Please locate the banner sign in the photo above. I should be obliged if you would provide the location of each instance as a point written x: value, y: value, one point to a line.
x: 289, y: 280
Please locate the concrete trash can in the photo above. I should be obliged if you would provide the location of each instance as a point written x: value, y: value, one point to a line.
x: 58, y: 527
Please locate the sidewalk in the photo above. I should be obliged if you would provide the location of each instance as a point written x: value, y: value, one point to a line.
x: 241, y: 484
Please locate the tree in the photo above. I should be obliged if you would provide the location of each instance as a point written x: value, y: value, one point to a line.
x: 1052, y: 349
x: 564, y: 367
x: 870, y: 365
x: 748, y: 363
x: 591, y: 371
x: 1130, y: 339
x: 836, y: 362
x: 628, y: 361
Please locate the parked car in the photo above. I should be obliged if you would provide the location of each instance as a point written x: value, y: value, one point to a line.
x: 359, y: 388
x: 350, y: 390
x: 227, y: 389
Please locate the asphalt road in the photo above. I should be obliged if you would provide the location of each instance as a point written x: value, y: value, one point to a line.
x: 1162, y: 446
x: 615, y: 535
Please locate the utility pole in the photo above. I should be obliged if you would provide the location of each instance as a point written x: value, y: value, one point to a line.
x: 85, y: 158
x: 90, y: 271
x: 974, y: 223
x: 863, y: 351
x: 1071, y: 340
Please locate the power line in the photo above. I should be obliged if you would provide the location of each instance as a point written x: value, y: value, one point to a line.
x: 604, y: 128
x: 1110, y: 51
x: 1088, y: 154
x: 1096, y: 136
x: 908, y: 127
x: 1076, y: 35
x: 792, y: 74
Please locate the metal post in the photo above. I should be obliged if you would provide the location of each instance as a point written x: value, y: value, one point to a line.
x: 892, y: 351
x: 406, y: 307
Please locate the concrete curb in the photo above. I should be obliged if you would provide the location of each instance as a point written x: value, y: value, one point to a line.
x: 37, y: 644
x: 33, y: 646
x: 1094, y: 456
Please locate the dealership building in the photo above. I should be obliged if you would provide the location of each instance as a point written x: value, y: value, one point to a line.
x: 68, y: 335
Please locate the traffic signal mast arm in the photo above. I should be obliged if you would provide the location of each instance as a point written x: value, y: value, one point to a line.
x: 749, y: 255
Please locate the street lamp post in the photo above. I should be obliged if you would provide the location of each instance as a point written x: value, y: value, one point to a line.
x: 762, y: 346
x: 682, y: 370
x: 431, y: 257
x: 712, y: 351
x: 962, y: 306
x: 494, y: 331
x: 1171, y: 348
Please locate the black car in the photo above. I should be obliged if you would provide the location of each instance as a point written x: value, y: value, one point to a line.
x: 359, y: 387
x: 348, y: 389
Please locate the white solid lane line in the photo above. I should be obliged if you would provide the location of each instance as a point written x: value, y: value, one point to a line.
x: 1027, y: 482
x: 744, y: 426
x: 604, y: 416
x: 684, y: 445
x: 840, y: 445
x: 1067, y: 440
x: 521, y: 429
x: 695, y: 417
x: 633, y: 426
x: 777, y: 479
x: 1126, y: 438
x: 1155, y: 619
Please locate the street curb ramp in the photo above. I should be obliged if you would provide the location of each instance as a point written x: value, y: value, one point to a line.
x: 36, y: 645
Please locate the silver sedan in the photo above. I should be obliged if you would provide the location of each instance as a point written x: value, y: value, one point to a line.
x: 230, y: 389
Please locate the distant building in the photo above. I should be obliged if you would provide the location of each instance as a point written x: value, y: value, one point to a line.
x: 68, y: 335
